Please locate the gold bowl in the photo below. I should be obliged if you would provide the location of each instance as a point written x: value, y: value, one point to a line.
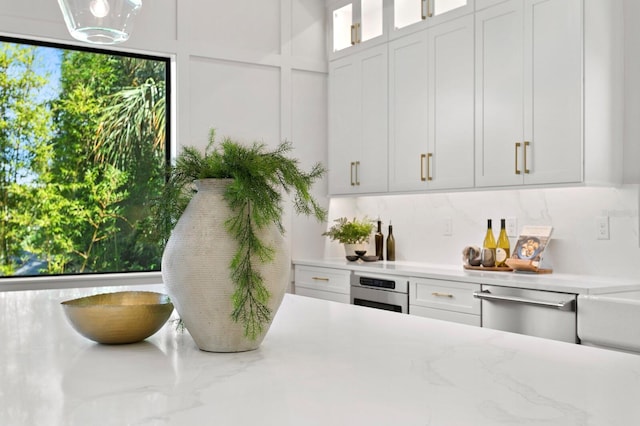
x: 120, y: 317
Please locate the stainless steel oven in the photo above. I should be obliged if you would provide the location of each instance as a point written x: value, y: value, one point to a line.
x: 380, y: 291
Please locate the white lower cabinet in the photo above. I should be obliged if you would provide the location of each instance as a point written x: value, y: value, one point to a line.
x: 444, y: 300
x: 323, y: 283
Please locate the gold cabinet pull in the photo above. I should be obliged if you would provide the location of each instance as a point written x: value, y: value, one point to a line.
x: 353, y: 36
x: 422, y: 11
x: 351, y: 173
x: 429, y: 12
x: 320, y: 278
x: 357, y: 171
x: 429, y: 159
x: 517, y: 149
x: 526, y: 145
x: 438, y: 294
x: 423, y: 159
x: 358, y: 32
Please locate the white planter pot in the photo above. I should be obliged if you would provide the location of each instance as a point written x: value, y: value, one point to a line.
x: 195, y: 271
x: 350, y: 249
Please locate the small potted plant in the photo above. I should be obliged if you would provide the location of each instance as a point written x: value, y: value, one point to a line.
x: 354, y: 234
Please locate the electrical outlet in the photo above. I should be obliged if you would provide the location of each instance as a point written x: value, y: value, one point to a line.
x: 602, y: 227
x: 512, y: 227
x: 447, y: 227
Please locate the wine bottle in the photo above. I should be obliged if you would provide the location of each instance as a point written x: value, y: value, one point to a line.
x: 379, y: 238
x: 489, y: 244
x: 503, y: 249
x: 391, y: 244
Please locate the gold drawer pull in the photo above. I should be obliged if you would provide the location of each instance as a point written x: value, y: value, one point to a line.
x: 423, y: 160
x: 438, y: 294
x: 526, y: 145
x: 517, y: 149
x: 320, y: 278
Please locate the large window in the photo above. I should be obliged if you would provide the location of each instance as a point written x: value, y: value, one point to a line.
x: 83, y: 146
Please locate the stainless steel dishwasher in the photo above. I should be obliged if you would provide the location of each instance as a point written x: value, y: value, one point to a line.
x: 547, y: 314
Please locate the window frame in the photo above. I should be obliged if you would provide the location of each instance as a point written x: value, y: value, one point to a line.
x: 101, y: 279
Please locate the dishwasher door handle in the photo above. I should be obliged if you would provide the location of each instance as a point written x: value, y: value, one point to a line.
x: 568, y: 306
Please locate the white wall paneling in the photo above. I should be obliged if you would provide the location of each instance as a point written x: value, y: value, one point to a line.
x: 242, y: 100
x: 256, y: 71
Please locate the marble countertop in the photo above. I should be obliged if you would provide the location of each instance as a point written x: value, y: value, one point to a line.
x: 322, y: 363
x: 566, y: 283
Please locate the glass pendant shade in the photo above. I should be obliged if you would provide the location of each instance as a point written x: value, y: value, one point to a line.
x: 100, y: 21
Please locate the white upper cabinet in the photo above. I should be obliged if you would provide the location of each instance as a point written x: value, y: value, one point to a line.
x: 514, y: 93
x: 358, y: 122
x: 431, y: 108
x: 529, y: 93
x: 413, y: 15
x: 355, y: 24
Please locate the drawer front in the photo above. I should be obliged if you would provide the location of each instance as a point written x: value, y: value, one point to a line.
x: 446, y: 295
x: 325, y: 295
x: 323, y: 279
x: 443, y: 315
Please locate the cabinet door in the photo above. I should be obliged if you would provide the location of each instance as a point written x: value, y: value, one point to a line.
x: 372, y: 172
x: 342, y: 30
x: 450, y: 158
x: 344, y: 121
x: 323, y: 283
x: 553, y: 91
x: 414, y: 15
x: 431, y: 91
x: 358, y: 122
x: 354, y: 24
x: 499, y: 95
x: 408, y: 112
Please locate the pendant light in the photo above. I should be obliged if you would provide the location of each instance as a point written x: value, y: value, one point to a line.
x: 100, y: 21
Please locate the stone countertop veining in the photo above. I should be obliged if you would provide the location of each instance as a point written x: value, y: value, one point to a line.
x: 566, y: 283
x: 322, y: 363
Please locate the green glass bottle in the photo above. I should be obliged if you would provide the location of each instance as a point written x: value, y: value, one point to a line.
x: 391, y: 244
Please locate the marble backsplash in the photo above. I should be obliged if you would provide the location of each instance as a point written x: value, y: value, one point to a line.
x: 420, y: 222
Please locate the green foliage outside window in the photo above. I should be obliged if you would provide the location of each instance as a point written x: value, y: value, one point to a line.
x: 79, y: 169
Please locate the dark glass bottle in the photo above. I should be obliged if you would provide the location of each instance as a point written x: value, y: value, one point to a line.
x: 391, y: 244
x: 379, y: 241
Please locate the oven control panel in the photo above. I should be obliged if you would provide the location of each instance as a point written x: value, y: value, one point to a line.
x: 390, y: 283
x: 377, y: 282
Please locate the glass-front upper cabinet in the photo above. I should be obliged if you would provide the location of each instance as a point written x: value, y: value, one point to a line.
x: 354, y: 23
x: 410, y: 15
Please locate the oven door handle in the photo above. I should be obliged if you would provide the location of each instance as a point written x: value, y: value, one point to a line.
x: 568, y: 305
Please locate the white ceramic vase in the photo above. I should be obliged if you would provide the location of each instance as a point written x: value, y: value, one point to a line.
x: 195, y: 271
